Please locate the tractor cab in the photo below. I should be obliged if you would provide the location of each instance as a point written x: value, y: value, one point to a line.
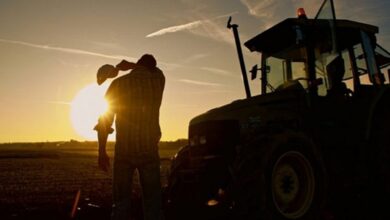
x: 321, y: 56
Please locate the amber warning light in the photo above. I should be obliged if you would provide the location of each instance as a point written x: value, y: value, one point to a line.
x: 301, y: 13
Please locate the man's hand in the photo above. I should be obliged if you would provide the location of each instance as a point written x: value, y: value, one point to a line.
x: 104, y: 161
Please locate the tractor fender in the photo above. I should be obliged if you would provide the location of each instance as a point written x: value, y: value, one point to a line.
x: 379, y: 101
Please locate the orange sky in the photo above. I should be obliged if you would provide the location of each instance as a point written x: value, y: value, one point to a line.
x: 50, y: 50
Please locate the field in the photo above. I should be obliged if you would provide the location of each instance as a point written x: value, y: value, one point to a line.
x: 41, y: 180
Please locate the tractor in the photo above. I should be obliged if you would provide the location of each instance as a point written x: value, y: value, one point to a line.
x: 314, y: 144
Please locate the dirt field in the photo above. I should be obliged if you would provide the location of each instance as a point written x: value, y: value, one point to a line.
x: 40, y: 181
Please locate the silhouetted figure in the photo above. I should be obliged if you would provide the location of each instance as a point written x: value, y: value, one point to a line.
x: 134, y: 101
x: 336, y: 71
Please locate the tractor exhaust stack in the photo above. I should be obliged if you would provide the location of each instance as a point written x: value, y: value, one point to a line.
x: 240, y: 56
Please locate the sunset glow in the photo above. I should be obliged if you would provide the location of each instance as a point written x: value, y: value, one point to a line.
x: 86, y: 107
x: 50, y: 51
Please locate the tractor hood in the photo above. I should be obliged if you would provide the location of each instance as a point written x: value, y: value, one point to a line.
x: 247, y: 109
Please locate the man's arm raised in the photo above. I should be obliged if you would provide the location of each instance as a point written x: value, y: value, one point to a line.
x: 125, y: 65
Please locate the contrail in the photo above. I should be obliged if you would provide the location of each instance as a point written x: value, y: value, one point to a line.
x: 81, y: 52
x: 187, y: 26
x: 66, y: 50
x: 199, y: 82
x: 176, y: 28
x: 216, y: 71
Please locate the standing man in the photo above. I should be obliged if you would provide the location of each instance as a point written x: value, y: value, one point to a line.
x: 134, y: 101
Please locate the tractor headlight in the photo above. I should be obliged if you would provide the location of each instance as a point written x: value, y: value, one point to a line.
x: 197, y: 140
x: 194, y: 140
x: 202, y: 140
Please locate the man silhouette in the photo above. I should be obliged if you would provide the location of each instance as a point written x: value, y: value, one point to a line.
x: 134, y: 101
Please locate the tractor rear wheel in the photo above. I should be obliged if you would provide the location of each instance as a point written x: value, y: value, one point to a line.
x: 279, y: 177
x: 379, y: 188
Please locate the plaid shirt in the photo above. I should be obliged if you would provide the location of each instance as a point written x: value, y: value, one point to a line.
x: 134, y: 101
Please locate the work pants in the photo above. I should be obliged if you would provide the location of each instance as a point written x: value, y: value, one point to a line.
x: 148, y: 166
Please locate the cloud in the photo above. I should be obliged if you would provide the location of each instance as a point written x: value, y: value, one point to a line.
x: 168, y: 66
x: 260, y: 9
x: 373, y: 12
x: 370, y: 12
x: 273, y: 11
x: 269, y: 9
x: 195, y: 57
x: 199, y: 83
x: 278, y: 10
x: 66, y: 50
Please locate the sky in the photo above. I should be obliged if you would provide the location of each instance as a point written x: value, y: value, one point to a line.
x: 51, y: 49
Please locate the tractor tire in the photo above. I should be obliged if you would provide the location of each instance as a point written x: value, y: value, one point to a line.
x: 379, y: 187
x: 279, y: 177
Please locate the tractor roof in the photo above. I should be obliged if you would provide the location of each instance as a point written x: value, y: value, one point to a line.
x: 283, y: 34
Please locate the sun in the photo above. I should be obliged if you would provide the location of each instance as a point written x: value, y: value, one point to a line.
x: 86, y: 107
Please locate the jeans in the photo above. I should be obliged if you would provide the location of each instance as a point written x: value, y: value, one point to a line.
x: 148, y: 166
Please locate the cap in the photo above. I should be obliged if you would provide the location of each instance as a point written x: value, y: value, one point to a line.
x: 106, y: 71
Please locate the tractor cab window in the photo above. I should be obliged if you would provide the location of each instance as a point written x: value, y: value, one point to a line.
x: 287, y: 67
x: 383, y: 61
x: 355, y: 57
x: 361, y: 64
x: 373, y: 63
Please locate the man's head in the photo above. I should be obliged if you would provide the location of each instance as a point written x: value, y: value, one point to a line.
x: 336, y: 71
x: 147, y: 60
